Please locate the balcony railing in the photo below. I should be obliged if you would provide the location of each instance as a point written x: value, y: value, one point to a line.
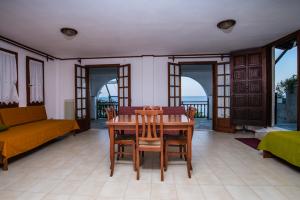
x: 101, y: 108
x: 202, y: 108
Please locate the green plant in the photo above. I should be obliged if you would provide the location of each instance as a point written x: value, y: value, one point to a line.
x: 286, y: 86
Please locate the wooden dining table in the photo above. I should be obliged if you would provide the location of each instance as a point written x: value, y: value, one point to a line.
x: 170, y: 123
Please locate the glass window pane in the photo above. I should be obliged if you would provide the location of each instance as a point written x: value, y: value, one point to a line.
x: 227, y: 68
x: 177, y: 70
x: 121, y: 71
x: 220, y: 69
x: 220, y: 101
x: 78, y: 69
x: 83, y: 113
x: 121, y: 82
x: 177, y: 80
x: 171, y: 91
x: 78, y: 92
x: 121, y: 102
x: 125, y: 102
x: 78, y: 103
x: 125, y: 71
x: 177, y: 91
x: 126, y: 81
x: 83, y: 72
x: 171, y: 69
x: 125, y: 92
x: 227, y: 91
x: 78, y: 82
x: 220, y: 91
x: 171, y: 101
x: 171, y: 80
x: 220, y: 80
x: 177, y: 102
x: 79, y: 114
x: 83, y: 93
x: 227, y: 102
x: 227, y: 113
x: 227, y: 81
x: 221, y: 112
x: 83, y: 103
x: 83, y: 83
x: 121, y: 92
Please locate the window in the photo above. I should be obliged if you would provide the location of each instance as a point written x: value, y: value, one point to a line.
x: 8, y: 78
x: 35, y: 81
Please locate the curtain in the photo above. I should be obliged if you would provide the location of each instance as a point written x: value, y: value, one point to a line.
x: 36, y: 81
x: 8, y: 78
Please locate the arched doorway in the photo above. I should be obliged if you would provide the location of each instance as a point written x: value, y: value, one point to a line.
x: 196, y: 95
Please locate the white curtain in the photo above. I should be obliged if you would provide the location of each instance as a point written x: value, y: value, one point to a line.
x: 8, y: 78
x: 36, y: 81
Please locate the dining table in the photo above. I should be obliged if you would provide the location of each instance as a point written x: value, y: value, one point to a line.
x: 170, y: 123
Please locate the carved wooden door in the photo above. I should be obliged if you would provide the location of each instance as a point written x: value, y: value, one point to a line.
x: 174, y: 83
x: 249, y: 88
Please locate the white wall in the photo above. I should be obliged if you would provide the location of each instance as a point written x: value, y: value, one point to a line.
x: 149, y: 79
x: 50, y: 78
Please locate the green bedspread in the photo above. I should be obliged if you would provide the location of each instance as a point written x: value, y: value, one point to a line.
x: 284, y: 144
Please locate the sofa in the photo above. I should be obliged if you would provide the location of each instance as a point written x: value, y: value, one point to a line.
x: 283, y: 144
x: 28, y: 129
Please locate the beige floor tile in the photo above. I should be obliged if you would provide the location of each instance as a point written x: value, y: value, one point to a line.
x: 138, y: 190
x: 268, y: 192
x: 189, y: 192
x: 242, y: 192
x: 163, y: 191
x: 291, y: 192
x: 56, y: 197
x: 31, y: 196
x: 113, y: 189
x: 213, y: 192
x: 66, y: 187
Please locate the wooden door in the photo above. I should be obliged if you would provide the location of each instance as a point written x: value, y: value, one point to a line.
x: 124, y: 85
x: 249, y: 88
x: 82, y: 115
x: 174, y: 83
x: 222, y: 120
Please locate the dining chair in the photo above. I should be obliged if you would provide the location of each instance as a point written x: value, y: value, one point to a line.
x: 121, y: 140
x: 149, y: 136
x: 178, y: 140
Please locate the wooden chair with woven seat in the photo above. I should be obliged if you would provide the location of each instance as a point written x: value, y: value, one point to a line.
x: 121, y: 140
x: 178, y: 140
x: 149, y: 136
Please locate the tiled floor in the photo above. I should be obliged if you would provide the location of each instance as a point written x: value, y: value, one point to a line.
x: 78, y: 168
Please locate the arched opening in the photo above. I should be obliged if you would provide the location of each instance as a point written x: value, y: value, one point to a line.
x: 107, y: 96
x: 191, y: 90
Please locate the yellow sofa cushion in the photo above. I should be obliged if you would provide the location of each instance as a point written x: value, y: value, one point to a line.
x: 14, y: 116
x: 22, y: 115
x: 19, y: 139
x: 36, y: 113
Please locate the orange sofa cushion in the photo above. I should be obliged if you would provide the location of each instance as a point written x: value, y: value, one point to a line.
x: 22, y: 115
x: 19, y: 139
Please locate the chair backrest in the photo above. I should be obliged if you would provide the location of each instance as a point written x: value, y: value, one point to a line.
x: 180, y: 110
x: 151, y: 120
x: 129, y: 110
x: 152, y: 108
x: 191, y: 112
x: 110, y: 112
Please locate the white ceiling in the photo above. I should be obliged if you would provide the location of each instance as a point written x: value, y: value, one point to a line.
x: 137, y: 27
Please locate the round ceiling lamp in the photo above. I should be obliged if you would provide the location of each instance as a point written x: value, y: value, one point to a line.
x: 226, y: 25
x: 68, y: 32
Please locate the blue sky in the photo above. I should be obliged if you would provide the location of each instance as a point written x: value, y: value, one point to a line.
x: 287, y: 66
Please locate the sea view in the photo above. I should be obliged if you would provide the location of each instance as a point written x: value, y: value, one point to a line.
x: 186, y: 99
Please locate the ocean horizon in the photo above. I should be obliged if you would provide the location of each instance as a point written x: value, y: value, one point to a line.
x: 184, y: 98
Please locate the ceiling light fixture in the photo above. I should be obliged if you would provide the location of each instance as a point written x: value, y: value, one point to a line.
x: 226, y: 25
x: 69, y: 32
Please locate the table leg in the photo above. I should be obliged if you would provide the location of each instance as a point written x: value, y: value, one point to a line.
x: 189, y: 151
x: 112, y: 150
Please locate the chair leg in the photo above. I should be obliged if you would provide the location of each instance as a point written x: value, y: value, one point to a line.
x: 184, y: 150
x: 119, y: 150
x: 4, y: 164
x: 123, y: 149
x: 112, y: 166
x: 180, y: 150
x: 137, y: 165
x: 162, y: 165
x: 166, y: 156
x: 133, y: 157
